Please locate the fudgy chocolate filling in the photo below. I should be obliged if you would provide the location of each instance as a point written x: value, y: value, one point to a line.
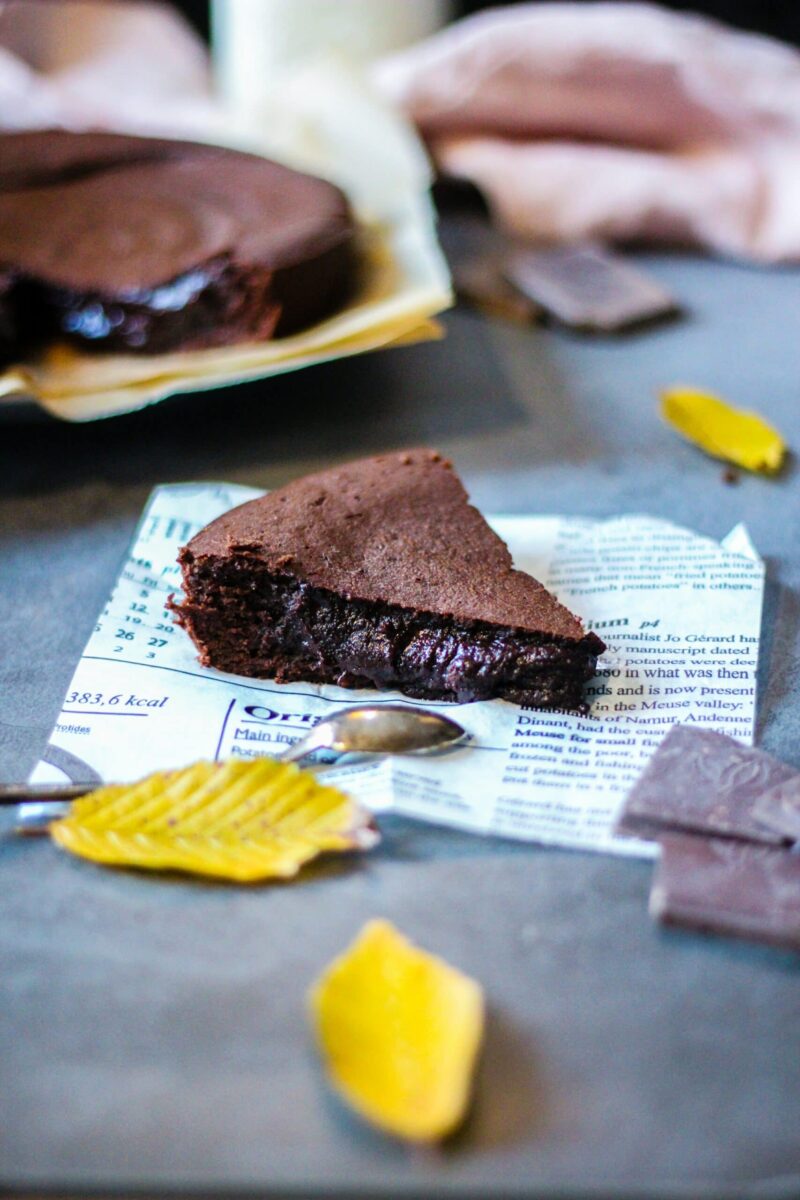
x: 248, y: 620
x: 212, y: 305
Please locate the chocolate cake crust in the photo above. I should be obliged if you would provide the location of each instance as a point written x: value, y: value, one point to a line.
x: 144, y: 244
x: 380, y: 573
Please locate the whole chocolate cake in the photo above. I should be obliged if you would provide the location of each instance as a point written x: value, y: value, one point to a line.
x: 380, y: 574
x: 142, y: 244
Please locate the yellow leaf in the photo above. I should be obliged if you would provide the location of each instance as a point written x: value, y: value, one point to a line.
x: 238, y: 820
x: 399, y: 1030
x: 728, y: 433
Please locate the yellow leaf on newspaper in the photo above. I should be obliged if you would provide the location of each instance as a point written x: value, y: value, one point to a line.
x: 728, y: 433
x: 399, y: 1030
x: 245, y: 821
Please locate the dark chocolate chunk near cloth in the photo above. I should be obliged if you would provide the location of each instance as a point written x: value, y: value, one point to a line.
x: 476, y: 251
x: 480, y: 284
x: 719, y: 885
x: 703, y: 782
x: 588, y: 287
x: 779, y: 808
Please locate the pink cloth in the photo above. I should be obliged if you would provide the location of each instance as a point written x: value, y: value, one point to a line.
x: 618, y: 121
x: 93, y: 64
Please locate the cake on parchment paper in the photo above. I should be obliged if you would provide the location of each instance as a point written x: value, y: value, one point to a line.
x: 123, y: 243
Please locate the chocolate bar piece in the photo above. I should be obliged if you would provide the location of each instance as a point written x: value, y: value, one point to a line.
x: 480, y: 283
x: 736, y: 888
x: 779, y: 808
x: 476, y: 251
x: 703, y: 782
x: 587, y: 287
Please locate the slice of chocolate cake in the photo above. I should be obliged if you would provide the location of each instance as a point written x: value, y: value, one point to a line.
x: 380, y: 574
x: 124, y: 243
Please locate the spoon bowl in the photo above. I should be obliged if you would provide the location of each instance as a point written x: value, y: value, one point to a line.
x: 380, y: 729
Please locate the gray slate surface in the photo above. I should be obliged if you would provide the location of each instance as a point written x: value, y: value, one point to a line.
x: 152, y: 1032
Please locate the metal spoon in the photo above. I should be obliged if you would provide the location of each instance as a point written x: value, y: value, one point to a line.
x: 379, y: 729
x: 364, y: 729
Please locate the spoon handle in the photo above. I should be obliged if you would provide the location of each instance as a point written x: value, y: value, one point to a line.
x: 34, y: 817
x: 40, y: 803
x: 25, y: 793
x: 293, y: 753
x: 20, y: 793
x: 316, y: 739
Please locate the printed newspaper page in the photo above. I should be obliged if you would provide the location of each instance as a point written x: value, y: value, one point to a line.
x: 679, y: 612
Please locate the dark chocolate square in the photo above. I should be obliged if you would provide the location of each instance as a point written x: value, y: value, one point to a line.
x: 779, y: 809
x: 737, y: 888
x: 703, y: 782
x: 588, y: 287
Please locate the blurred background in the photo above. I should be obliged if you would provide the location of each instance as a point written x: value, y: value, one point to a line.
x: 777, y: 17
x: 577, y: 131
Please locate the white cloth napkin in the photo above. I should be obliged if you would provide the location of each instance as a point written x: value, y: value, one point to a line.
x: 615, y: 120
